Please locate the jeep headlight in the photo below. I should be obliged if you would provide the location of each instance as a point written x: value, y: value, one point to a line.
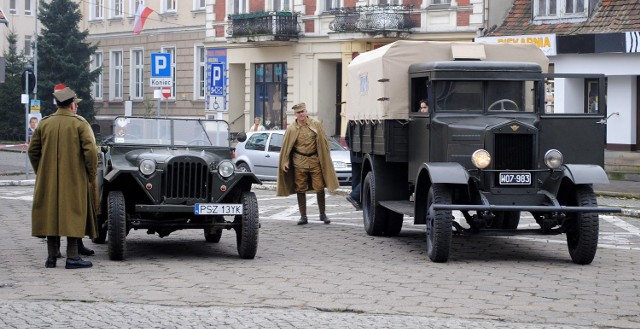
x: 147, y: 167
x: 553, y: 159
x: 226, y: 168
x: 481, y: 159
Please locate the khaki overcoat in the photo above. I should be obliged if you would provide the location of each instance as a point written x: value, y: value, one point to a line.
x: 286, y: 181
x: 63, y: 153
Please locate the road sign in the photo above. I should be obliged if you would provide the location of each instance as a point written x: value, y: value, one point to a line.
x: 217, y: 79
x: 166, y: 92
x: 161, y: 70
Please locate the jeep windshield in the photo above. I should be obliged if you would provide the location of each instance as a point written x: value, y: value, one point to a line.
x: 174, y: 132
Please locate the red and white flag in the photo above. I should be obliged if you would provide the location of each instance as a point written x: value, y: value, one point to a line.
x: 141, y: 16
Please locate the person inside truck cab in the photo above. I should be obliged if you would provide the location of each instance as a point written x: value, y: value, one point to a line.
x: 424, y: 106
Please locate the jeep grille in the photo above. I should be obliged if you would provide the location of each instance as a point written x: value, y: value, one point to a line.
x: 513, y: 152
x: 185, y: 180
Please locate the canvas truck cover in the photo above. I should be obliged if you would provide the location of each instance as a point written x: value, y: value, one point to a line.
x: 378, y: 80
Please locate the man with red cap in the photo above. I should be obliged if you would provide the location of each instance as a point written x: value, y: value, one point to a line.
x: 63, y: 154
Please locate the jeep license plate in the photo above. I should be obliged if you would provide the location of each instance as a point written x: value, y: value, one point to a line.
x: 218, y: 209
x: 512, y: 178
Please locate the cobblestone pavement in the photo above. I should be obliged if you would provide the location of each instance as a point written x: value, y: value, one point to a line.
x: 319, y: 276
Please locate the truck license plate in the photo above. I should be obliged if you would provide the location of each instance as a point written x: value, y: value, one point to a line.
x: 511, y: 178
x: 218, y: 209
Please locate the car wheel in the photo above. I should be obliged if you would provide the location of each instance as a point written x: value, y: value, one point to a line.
x: 439, y: 229
x: 582, y: 236
x: 212, y: 235
x: 117, y: 221
x: 102, y: 231
x: 377, y: 219
x: 243, y: 167
x: 247, y: 233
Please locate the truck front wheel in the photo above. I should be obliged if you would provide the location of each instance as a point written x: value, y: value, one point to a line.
x: 439, y: 229
x: 377, y: 219
x: 582, y: 236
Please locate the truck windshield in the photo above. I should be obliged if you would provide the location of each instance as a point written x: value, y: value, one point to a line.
x: 477, y: 96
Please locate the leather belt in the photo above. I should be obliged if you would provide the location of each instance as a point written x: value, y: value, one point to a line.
x: 305, y: 154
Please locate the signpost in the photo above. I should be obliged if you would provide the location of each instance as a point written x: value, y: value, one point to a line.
x: 161, y: 74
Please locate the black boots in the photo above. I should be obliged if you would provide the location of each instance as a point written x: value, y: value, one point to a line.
x: 77, y: 263
x: 51, y: 262
x: 303, y: 220
x: 84, y: 251
x: 324, y: 218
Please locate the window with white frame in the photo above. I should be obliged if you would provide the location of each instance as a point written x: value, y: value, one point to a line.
x: 117, y: 10
x: 200, y: 74
x: 115, y: 75
x: 280, y: 5
x: 169, y: 6
x: 239, y: 7
x: 137, y: 74
x: 13, y: 9
x: 440, y: 2
x: 27, y: 7
x: 133, y: 6
x: 199, y: 4
x: 172, y: 51
x: 96, y: 86
x: 331, y: 4
x: 557, y: 9
x: 27, y: 45
x: 96, y: 10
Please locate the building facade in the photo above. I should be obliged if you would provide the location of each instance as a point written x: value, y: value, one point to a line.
x: 587, y: 37
x: 21, y: 18
x: 279, y: 53
x: 174, y: 27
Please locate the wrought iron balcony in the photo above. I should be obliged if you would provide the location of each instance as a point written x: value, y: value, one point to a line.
x: 372, y: 19
x: 264, y: 26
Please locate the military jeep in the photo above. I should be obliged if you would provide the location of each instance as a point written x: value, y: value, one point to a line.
x: 164, y: 175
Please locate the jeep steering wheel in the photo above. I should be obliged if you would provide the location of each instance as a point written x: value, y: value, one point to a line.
x: 502, y: 103
x: 198, y: 142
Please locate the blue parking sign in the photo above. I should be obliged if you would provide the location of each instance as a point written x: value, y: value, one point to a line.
x: 217, y: 79
x: 161, y: 65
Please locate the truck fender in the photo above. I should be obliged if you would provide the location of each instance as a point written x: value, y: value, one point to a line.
x: 447, y: 173
x: 585, y: 174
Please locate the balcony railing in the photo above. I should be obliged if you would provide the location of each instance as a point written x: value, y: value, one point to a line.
x: 372, y: 19
x: 281, y: 26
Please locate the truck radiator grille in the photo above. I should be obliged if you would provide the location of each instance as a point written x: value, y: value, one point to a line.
x: 513, y: 152
x: 186, y: 180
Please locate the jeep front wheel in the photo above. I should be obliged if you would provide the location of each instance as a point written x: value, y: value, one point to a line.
x: 439, y: 226
x: 117, y: 221
x: 247, y: 233
x: 582, y: 236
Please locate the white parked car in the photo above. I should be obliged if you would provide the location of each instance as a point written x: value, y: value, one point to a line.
x: 260, y: 154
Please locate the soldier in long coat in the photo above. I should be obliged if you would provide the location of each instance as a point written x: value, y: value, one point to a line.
x: 305, y: 163
x: 63, y: 153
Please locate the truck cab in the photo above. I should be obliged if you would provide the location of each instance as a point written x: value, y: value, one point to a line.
x: 489, y: 147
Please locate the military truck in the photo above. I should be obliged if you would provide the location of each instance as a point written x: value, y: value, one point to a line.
x: 501, y: 137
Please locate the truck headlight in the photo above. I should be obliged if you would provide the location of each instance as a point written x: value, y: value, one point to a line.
x: 553, y: 159
x: 481, y: 159
x: 226, y: 168
x: 147, y: 167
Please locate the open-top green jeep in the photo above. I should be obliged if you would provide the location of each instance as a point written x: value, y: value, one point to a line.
x: 164, y: 175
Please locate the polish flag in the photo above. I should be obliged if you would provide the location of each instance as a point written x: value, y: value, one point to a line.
x: 141, y: 16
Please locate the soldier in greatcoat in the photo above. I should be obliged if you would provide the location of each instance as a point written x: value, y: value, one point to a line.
x: 63, y: 154
x: 305, y: 163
